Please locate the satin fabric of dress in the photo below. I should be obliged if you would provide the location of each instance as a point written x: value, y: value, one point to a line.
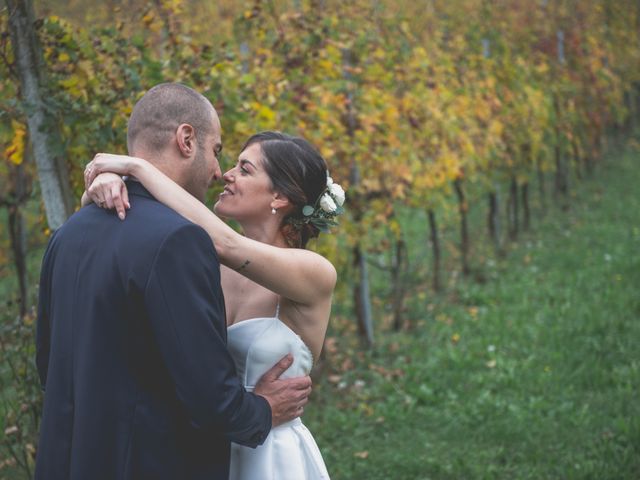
x: 289, y: 452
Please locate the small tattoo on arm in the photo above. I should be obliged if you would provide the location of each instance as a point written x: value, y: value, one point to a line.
x: 243, y: 266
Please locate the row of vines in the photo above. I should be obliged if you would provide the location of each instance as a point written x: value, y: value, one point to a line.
x: 413, y: 104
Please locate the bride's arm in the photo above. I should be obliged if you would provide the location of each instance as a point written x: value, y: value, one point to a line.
x: 300, y: 275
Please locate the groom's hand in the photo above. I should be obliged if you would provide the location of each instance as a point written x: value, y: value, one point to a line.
x: 287, y: 398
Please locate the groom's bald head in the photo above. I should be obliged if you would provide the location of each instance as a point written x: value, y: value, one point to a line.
x: 160, y: 111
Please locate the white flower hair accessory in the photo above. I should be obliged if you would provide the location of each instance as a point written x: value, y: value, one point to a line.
x: 328, y: 206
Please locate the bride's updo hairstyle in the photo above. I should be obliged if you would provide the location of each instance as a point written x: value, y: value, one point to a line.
x: 297, y: 171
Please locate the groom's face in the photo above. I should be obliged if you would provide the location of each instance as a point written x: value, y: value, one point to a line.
x: 205, y: 166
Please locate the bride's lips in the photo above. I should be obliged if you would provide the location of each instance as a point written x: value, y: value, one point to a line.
x: 226, y: 191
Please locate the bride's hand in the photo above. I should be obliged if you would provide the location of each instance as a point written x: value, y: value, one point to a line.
x: 108, y: 190
x: 108, y: 162
x: 103, y: 186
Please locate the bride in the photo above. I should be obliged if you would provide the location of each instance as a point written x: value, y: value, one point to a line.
x: 277, y: 293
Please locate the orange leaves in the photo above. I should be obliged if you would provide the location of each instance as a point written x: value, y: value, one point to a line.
x: 386, y: 373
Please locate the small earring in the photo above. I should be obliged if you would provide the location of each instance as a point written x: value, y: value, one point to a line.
x: 274, y: 211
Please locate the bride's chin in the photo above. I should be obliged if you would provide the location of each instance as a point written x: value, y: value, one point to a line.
x: 219, y: 211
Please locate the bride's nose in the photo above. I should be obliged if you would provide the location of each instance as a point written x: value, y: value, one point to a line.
x: 228, y: 176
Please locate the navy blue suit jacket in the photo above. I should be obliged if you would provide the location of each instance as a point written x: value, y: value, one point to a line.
x: 131, y: 351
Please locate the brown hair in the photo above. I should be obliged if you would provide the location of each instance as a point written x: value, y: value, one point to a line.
x: 161, y: 110
x: 298, y: 171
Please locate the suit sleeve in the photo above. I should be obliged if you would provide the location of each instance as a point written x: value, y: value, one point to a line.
x: 43, y: 327
x: 186, y: 310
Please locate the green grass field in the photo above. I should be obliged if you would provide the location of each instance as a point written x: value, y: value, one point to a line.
x: 534, y: 374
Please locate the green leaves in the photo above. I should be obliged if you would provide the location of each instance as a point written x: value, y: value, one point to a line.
x: 323, y: 224
x: 400, y: 94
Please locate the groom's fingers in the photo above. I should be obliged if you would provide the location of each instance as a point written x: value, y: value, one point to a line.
x: 279, y: 368
x: 305, y: 383
x: 300, y: 383
x: 298, y: 408
x: 303, y: 396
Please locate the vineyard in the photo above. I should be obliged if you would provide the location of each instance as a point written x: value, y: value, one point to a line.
x: 461, y: 123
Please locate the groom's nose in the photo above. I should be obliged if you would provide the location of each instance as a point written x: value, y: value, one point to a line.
x: 217, y: 172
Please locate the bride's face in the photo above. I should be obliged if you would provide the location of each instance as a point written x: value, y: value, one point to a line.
x: 248, y: 191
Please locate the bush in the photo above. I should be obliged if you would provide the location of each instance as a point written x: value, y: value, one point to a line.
x: 21, y: 405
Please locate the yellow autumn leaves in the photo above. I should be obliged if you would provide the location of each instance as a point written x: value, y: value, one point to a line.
x: 15, y: 150
x: 403, y: 93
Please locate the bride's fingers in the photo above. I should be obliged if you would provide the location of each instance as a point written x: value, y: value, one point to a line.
x: 109, y: 204
x: 96, y: 195
x: 90, y: 174
x: 87, y: 175
x: 93, y: 168
x: 118, y: 203
x: 125, y: 195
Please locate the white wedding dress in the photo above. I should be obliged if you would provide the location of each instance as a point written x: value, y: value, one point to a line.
x: 289, y: 452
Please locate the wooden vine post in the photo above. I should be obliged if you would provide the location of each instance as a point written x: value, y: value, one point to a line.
x: 361, y: 289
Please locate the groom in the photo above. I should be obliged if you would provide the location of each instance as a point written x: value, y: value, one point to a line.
x: 131, y: 340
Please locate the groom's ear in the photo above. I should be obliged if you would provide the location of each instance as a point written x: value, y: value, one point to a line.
x: 186, y: 139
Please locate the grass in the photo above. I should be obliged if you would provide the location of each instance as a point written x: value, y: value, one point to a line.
x: 534, y: 374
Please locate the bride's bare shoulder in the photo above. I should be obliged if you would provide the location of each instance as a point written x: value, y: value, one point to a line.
x: 322, y: 270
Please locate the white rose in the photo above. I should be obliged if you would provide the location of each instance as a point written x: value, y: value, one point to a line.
x: 329, y: 181
x: 327, y: 204
x: 337, y: 192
